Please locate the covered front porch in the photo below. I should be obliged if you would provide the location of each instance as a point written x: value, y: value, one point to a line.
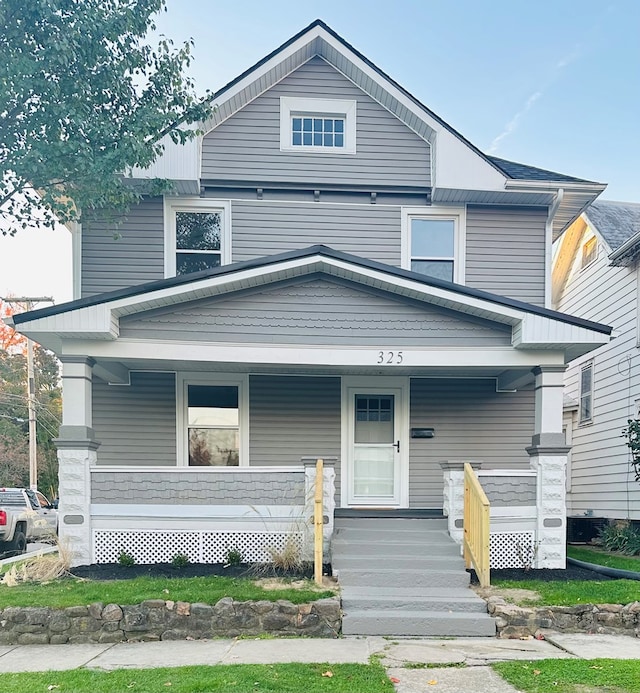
x: 191, y: 404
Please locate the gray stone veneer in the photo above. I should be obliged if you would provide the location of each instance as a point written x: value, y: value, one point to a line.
x: 509, y: 491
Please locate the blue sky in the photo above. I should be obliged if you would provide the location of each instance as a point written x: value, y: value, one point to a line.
x: 550, y: 83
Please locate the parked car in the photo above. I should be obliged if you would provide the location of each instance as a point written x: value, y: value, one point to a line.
x: 25, y: 515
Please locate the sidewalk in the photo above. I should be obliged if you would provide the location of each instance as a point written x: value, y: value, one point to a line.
x: 475, y: 653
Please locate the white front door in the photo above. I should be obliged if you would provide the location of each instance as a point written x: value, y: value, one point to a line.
x: 376, y: 450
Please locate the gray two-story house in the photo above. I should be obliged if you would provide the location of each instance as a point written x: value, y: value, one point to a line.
x: 338, y: 274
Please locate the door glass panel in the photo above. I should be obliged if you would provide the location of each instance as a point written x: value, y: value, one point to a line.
x: 374, y: 419
x: 374, y: 470
x: 374, y: 456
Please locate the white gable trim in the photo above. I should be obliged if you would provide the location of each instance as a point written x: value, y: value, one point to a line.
x: 101, y: 322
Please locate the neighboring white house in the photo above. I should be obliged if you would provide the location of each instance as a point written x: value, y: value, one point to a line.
x: 596, y: 276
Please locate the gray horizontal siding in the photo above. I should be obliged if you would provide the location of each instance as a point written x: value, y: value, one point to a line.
x: 197, y: 488
x: 136, y: 424
x: 317, y: 311
x: 506, y: 251
x: 265, y: 228
x: 472, y: 422
x: 294, y: 417
x: 247, y: 145
x: 115, y: 256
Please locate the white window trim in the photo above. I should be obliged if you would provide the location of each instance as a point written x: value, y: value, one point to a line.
x: 595, y: 254
x: 583, y: 367
x: 183, y: 380
x: 194, y: 204
x: 290, y: 106
x: 457, y: 214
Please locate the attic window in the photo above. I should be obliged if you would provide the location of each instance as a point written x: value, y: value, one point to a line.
x: 326, y: 126
x: 589, y: 251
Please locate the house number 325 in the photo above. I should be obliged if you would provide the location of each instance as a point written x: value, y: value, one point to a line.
x: 391, y: 357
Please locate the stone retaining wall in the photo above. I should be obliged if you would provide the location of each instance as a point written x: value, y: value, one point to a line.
x: 517, y: 621
x: 157, y: 619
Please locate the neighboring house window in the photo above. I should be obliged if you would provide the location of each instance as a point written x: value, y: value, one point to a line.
x: 586, y: 393
x: 589, y: 251
x: 433, y: 241
x: 319, y: 125
x: 197, y: 235
x: 212, y: 421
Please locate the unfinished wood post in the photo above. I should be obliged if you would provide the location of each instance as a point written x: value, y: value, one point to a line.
x: 318, y: 522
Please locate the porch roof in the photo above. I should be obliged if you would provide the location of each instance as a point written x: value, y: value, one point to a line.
x: 98, y: 318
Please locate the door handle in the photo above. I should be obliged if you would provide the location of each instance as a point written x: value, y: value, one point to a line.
x: 397, y: 446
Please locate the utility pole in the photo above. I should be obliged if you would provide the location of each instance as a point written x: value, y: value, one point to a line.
x: 31, y: 389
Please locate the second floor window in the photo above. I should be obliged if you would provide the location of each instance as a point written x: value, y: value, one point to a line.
x: 586, y: 393
x: 197, y: 235
x: 433, y: 244
x: 198, y: 241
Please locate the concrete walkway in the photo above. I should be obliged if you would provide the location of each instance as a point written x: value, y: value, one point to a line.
x: 406, y: 660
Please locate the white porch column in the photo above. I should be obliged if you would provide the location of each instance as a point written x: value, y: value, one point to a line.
x: 548, y: 453
x: 76, y: 455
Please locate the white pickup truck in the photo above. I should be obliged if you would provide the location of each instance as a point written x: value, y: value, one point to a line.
x: 25, y: 515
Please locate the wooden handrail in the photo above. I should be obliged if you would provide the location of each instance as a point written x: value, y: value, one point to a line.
x: 476, y: 525
x: 318, y: 522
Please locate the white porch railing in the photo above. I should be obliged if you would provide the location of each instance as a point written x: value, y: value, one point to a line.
x: 527, y: 516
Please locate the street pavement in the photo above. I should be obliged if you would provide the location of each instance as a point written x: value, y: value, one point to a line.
x: 456, y: 665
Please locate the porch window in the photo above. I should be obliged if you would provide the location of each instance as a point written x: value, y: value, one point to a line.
x: 213, y: 426
x: 586, y: 393
x: 433, y: 242
x: 212, y: 419
x: 197, y: 235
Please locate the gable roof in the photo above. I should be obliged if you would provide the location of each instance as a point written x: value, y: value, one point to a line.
x: 229, y: 278
x: 461, y: 172
x: 619, y: 224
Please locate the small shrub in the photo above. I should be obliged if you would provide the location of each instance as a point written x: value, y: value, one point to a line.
x: 620, y: 538
x: 180, y: 560
x: 233, y: 557
x: 126, y: 559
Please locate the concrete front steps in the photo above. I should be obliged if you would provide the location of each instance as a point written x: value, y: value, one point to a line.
x: 403, y: 576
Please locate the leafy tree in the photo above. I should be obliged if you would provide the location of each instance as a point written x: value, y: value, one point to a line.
x: 84, y: 98
x: 632, y: 434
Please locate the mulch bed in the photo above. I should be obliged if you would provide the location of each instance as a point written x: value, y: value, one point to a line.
x: 115, y: 571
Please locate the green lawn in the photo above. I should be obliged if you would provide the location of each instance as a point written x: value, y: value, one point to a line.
x: 74, y: 592
x: 236, y: 678
x: 576, y: 592
x: 573, y: 675
x: 601, y: 557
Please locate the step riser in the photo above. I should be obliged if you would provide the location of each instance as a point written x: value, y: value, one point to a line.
x: 391, y: 550
x: 441, y: 626
x: 371, y: 563
x: 392, y: 535
x: 398, y: 605
x: 417, y: 579
x: 401, y: 524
